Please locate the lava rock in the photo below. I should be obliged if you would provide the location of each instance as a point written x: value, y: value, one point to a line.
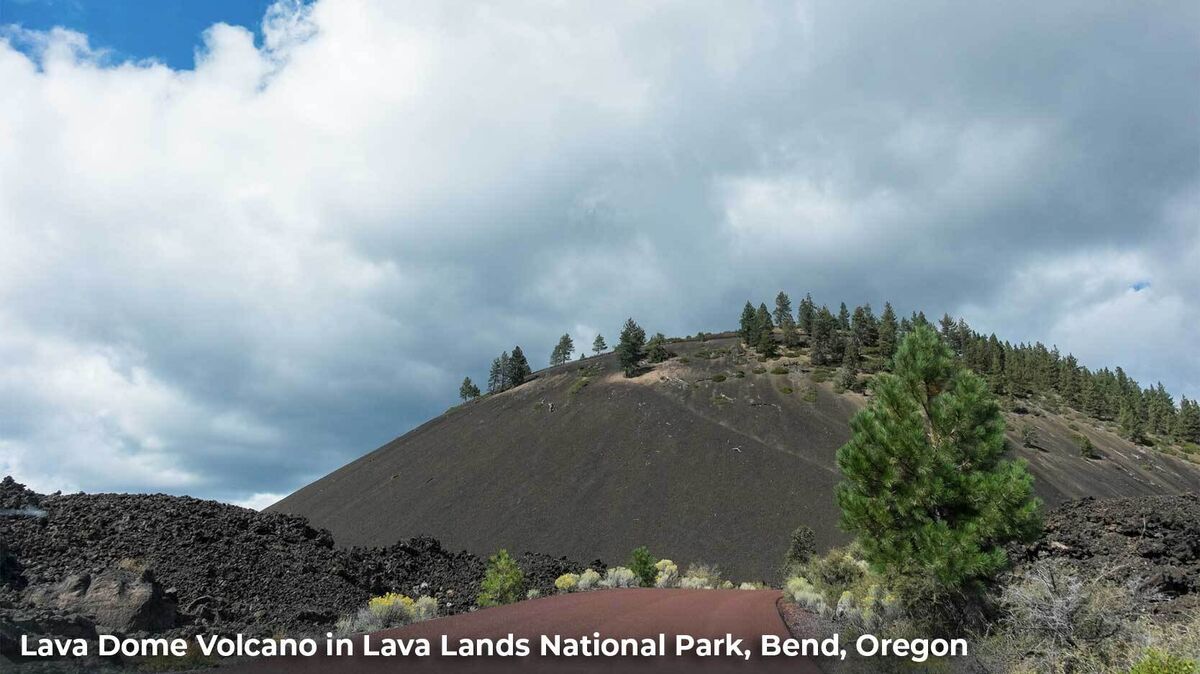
x: 119, y: 600
x: 230, y: 569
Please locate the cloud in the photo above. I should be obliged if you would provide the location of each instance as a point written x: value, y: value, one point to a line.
x: 229, y: 280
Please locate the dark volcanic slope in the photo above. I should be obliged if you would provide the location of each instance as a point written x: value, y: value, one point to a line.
x: 699, y: 470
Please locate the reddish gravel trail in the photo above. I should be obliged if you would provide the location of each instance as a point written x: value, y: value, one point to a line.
x: 636, y: 613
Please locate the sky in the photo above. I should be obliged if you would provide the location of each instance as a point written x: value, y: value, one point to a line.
x: 244, y: 243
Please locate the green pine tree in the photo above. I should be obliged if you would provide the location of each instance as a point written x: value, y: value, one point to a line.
x: 598, y: 345
x: 1130, y: 422
x: 468, y: 390
x: 503, y: 581
x: 631, y: 349
x: 783, y: 309
x: 518, y: 368
x: 762, y: 323
x: 563, y: 350
x: 806, y: 314
x: 747, y: 325
x: 926, y: 490
x: 887, y: 332
x: 656, y: 348
x: 766, y: 345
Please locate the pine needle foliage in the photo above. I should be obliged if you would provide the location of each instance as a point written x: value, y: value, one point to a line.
x: 926, y: 490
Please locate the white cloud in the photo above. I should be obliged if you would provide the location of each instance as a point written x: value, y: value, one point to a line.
x: 229, y: 280
x: 259, y: 501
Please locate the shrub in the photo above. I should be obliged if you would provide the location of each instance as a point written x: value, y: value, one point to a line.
x: 667, y: 574
x: 801, y: 547
x: 701, y: 576
x: 503, y: 582
x: 619, y: 577
x: 1086, y: 449
x: 1055, y: 619
x: 642, y: 563
x: 740, y: 374
x: 588, y: 580
x: 835, y: 572
x: 760, y: 370
x: 566, y: 582
x: 387, y: 611
x: 718, y: 378
x: 424, y: 608
x: 785, y: 390
x: 533, y: 593
x: 578, y: 385
x: 803, y: 593
x: 1158, y: 662
x: 779, y: 369
x: 845, y: 379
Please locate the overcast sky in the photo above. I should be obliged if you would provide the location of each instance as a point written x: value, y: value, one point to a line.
x: 230, y: 276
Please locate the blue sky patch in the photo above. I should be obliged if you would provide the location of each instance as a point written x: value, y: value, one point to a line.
x: 163, y: 30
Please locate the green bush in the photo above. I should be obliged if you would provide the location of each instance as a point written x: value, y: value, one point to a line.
x: 779, y: 369
x: 503, y: 583
x: 786, y: 390
x: 642, y: 563
x: 760, y: 370
x: 1086, y: 449
x: 1157, y: 662
x: 801, y: 547
x: 718, y: 378
x: 835, y: 572
x: 740, y: 374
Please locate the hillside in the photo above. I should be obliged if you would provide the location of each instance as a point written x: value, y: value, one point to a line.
x: 691, y: 458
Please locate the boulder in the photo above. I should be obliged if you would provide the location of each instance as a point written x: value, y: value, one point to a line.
x: 121, y: 599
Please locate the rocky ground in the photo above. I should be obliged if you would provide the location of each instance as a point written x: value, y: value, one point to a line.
x: 74, y: 564
x: 1152, y: 542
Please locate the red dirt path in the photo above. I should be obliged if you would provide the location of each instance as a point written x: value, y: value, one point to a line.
x: 636, y: 613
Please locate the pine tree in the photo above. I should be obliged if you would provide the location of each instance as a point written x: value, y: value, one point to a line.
x: 806, y: 314
x: 824, y: 337
x: 1130, y: 422
x: 598, y: 345
x: 783, y: 309
x: 518, y: 368
x: 562, y: 351
x: 864, y: 326
x: 656, y: 348
x: 850, y: 356
x: 843, y: 318
x: 747, y: 325
x: 762, y: 323
x: 887, y: 332
x: 631, y: 348
x: 468, y: 390
x: 1187, y: 424
x: 495, y: 377
x: 926, y: 490
x: 766, y: 345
